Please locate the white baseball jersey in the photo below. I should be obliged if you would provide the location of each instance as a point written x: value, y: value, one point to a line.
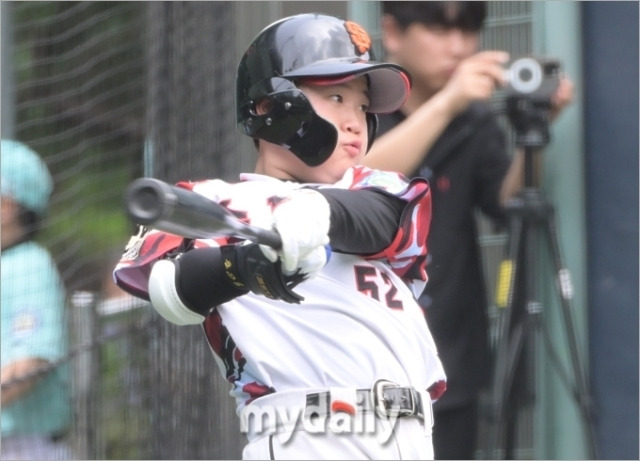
x: 359, y: 321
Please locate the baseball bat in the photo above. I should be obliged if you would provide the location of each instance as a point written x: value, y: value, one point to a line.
x: 156, y: 204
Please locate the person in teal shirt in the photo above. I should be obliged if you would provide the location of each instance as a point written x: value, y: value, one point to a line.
x: 35, y: 409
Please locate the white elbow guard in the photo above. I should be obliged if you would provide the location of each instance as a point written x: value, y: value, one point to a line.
x: 164, y: 295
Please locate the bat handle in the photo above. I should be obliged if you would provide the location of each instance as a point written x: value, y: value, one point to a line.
x: 266, y: 237
x: 272, y: 238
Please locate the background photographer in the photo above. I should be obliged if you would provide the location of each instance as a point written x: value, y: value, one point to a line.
x: 447, y: 133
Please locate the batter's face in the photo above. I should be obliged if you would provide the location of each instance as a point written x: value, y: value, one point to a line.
x: 345, y: 106
x: 431, y: 54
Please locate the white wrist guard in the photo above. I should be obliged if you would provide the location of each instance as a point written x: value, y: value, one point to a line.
x: 164, y: 295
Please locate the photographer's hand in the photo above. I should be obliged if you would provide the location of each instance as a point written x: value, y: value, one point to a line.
x: 561, y: 98
x: 475, y: 78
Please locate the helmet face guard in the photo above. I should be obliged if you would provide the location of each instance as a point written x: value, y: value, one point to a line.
x: 316, y: 47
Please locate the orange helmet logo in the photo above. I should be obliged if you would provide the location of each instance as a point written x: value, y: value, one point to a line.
x: 359, y: 36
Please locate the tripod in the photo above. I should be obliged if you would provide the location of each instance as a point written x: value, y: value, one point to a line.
x: 530, y: 217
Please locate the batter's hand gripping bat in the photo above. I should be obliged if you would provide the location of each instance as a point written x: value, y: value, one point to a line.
x: 156, y: 204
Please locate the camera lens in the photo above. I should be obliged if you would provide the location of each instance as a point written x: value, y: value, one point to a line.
x: 525, y: 75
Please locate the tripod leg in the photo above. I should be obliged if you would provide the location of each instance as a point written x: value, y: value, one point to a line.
x: 526, y: 314
x: 504, y: 398
x: 515, y: 394
x: 509, y: 338
x: 565, y: 289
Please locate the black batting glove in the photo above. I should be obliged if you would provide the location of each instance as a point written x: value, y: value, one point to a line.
x: 247, y: 267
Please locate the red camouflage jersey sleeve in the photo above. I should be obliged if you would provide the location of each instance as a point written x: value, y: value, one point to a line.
x: 407, y: 254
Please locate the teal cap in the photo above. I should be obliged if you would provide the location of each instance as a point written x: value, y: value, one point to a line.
x: 25, y: 177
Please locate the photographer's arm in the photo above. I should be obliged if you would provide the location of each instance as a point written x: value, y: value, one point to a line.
x: 412, y: 138
x: 514, y: 179
x: 428, y: 115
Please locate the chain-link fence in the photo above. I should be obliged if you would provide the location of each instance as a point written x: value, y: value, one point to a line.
x: 106, y: 92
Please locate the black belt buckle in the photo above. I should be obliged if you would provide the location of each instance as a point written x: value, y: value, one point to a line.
x: 386, y: 407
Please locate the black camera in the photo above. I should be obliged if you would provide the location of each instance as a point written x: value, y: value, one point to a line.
x: 534, y: 78
x: 532, y: 82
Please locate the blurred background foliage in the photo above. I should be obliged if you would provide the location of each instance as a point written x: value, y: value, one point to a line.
x: 79, y: 101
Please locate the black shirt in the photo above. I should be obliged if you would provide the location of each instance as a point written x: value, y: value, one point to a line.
x: 465, y: 168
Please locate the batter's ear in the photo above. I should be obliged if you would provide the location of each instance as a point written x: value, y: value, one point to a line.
x: 264, y: 106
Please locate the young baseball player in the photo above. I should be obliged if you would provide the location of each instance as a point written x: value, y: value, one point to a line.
x: 36, y: 411
x: 323, y: 341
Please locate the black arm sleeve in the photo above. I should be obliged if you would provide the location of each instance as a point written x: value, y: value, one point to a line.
x: 362, y: 221
x: 202, y: 283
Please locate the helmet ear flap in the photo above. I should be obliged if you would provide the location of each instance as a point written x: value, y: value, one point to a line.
x: 292, y: 123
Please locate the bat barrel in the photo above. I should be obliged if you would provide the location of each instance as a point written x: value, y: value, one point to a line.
x: 154, y: 203
x: 145, y: 199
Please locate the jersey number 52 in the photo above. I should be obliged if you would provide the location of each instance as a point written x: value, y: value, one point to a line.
x: 372, y: 282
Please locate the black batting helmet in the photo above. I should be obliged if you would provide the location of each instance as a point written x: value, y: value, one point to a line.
x: 312, y: 46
